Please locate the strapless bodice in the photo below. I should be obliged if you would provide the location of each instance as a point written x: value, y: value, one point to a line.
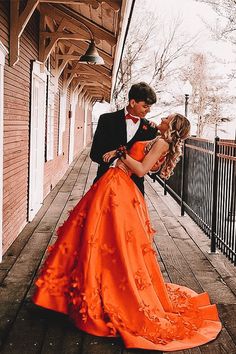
x: 138, y: 150
x: 141, y: 148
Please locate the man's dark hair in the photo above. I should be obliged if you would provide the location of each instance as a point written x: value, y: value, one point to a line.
x: 142, y: 92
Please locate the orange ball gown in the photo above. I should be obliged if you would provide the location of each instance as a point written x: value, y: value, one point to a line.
x: 103, y: 273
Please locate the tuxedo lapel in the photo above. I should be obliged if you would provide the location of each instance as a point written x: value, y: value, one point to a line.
x: 120, y: 125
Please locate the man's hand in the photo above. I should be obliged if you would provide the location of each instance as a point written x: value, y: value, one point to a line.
x: 109, y: 155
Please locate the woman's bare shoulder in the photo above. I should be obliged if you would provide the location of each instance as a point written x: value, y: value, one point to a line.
x: 161, y: 144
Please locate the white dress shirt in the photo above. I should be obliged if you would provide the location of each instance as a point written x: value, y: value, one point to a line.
x: 131, y: 127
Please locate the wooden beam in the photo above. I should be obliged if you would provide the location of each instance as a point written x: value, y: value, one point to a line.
x: 74, y: 85
x: 93, y: 69
x: 26, y: 14
x: 90, y: 77
x: 80, y: 89
x: 94, y: 83
x: 114, y: 4
x: 57, y: 16
x: 64, y: 62
x: 91, y: 83
x: 18, y: 21
x: 105, y: 81
x: 98, y: 31
x: 68, y: 56
x: 42, y: 26
x: 98, y: 69
x: 67, y: 79
x: 45, y: 49
x: 50, y: 23
x: 93, y: 3
x: 65, y: 35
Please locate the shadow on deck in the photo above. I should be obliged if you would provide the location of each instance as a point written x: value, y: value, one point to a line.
x: 182, y: 253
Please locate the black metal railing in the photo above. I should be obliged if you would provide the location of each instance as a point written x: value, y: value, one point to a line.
x: 204, y: 185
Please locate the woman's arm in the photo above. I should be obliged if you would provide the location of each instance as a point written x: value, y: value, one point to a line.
x: 141, y: 168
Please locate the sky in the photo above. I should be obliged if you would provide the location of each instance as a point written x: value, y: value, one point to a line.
x: 194, y: 15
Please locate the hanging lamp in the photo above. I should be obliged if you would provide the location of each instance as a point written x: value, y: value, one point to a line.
x: 91, y: 56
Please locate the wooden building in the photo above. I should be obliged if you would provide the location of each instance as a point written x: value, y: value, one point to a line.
x: 47, y: 95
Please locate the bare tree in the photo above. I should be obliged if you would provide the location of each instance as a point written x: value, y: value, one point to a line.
x: 171, y: 47
x: 196, y: 74
x: 207, y: 97
x: 150, y: 54
x: 226, y: 26
x: 135, y: 49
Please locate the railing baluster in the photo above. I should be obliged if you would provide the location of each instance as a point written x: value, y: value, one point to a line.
x: 182, y: 180
x: 204, y: 186
x: 214, y: 196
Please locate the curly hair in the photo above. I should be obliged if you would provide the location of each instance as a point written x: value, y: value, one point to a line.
x: 179, y: 128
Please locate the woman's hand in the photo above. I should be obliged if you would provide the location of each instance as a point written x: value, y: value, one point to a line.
x: 109, y: 155
x: 155, y: 168
x: 122, y: 166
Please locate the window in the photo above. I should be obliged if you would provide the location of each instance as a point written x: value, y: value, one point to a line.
x: 62, y: 121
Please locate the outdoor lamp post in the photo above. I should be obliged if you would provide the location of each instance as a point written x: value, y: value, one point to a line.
x: 187, y: 93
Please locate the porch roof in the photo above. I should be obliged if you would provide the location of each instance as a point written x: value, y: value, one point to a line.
x: 66, y: 30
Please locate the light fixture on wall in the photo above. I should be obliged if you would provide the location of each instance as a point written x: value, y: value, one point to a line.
x: 91, y: 56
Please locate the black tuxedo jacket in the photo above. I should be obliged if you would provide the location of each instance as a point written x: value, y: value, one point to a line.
x: 111, y: 133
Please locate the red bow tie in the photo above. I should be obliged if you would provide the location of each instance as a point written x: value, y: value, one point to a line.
x: 134, y: 119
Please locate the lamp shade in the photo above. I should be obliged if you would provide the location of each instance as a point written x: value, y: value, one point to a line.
x: 187, y: 88
x: 91, y: 56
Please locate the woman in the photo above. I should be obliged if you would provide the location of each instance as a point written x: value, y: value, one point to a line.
x: 102, y: 270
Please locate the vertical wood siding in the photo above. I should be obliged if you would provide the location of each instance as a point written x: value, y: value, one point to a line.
x: 16, y: 127
x: 17, y: 91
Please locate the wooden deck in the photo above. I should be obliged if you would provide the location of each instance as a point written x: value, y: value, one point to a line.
x: 182, y: 251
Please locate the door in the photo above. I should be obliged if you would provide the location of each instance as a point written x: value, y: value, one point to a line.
x: 72, y: 130
x: 37, y: 140
x: 3, y: 53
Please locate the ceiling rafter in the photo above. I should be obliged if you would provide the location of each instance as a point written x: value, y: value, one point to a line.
x: 67, y: 78
x: 48, y: 40
x: 92, y: 69
x: 87, y: 76
x: 114, y: 4
x: 18, y: 21
x: 98, y: 32
x: 99, y: 69
x: 68, y: 32
x: 65, y: 58
x: 90, y: 83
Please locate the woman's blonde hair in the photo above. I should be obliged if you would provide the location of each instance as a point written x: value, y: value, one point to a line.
x: 179, y: 129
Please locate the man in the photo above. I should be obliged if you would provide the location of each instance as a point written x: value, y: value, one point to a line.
x: 124, y: 127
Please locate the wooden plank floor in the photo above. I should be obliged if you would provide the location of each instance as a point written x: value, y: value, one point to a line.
x: 182, y: 253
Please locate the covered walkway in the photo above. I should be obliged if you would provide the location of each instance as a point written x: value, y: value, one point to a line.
x: 182, y: 252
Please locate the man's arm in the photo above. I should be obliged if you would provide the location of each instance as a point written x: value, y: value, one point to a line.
x: 99, y: 141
